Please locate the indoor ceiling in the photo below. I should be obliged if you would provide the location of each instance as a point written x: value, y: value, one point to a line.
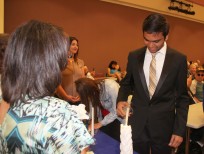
x: 199, y: 2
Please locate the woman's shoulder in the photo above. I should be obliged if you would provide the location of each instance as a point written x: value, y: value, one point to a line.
x: 50, y: 101
x: 80, y: 61
x: 3, y: 144
x: 44, y: 107
x: 51, y: 111
x: 55, y: 117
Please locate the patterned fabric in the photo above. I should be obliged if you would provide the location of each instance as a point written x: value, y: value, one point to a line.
x: 152, y: 76
x: 3, y: 145
x: 47, y: 125
x: 197, y: 89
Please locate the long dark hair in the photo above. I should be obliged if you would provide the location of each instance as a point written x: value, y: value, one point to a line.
x: 89, y: 91
x: 113, y: 62
x: 35, y: 56
x: 155, y: 23
x: 3, y: 43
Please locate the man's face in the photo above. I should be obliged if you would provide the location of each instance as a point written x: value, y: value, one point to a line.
x: 199, y: 76
x: 154, y: 41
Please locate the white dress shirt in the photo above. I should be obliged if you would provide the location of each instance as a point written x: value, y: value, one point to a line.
x: 160, y: 56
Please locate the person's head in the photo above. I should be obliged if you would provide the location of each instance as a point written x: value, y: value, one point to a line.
x: 35, y: 56
x: 112, y: 64
x: 117, y: 67
x: 192, y: 69
x: 155, y: 32
x: 196, y: 64
x: 3, y: 43
x: 199, y: 76
x: 89, y: 92
x: 74, y: 47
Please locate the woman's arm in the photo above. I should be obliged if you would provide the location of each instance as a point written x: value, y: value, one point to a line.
x: 4, y: 106
x: 61, y: 93
x: 84, y: 150
x: 109, y: 73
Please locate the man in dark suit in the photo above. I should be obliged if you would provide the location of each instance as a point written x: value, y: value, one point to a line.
x: 159, y: 119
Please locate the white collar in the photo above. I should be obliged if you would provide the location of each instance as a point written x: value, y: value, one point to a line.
x: 161, y: 51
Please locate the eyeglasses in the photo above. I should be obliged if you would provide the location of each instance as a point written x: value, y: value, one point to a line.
x: 200, y: 74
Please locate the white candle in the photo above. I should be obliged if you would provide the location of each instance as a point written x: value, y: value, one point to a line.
x: 128, y: 109
x: 92, y: 121
x: 126, y: 116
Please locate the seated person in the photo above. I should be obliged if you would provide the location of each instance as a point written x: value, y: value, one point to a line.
x: 37, y: 122
x: 115, y: 71
x: 89, y: 74
x: 196, y: 86
x: 191, y: 74
x: 101, y: 94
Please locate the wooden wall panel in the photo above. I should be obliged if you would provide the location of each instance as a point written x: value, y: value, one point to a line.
x: 105, y: 31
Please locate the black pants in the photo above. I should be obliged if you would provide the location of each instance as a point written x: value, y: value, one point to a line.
x: 144, y: 144
x: 197, y: 134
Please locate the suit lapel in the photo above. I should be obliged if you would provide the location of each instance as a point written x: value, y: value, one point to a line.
x: 141, y: 72
x: 167, y: 64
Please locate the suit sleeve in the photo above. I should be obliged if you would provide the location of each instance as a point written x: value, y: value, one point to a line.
x: 126, y: 84
x: 182, y: 99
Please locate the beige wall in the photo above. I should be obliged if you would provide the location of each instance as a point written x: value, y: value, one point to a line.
x: 105, y: 31
x: 161, y: 6
x: 1, y: 16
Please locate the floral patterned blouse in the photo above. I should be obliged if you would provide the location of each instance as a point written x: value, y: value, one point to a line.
x: 46, y: 125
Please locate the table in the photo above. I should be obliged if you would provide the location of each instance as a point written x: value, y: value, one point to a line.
x: 105, y: 144
x: 195, y: 120
x: 103, y: 78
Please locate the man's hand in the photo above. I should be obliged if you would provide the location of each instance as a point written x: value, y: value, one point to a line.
x: 175, y: 141
x: 121, y: 108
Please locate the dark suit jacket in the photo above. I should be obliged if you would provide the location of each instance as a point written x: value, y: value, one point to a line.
x: 170, y: 96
